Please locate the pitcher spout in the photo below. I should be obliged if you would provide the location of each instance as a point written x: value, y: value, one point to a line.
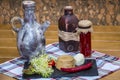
x: 45, y: 25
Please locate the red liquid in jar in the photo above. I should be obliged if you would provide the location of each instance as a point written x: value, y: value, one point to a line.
x: 85, y: 44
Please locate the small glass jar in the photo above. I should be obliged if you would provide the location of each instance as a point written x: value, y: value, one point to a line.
x: 85, y: 30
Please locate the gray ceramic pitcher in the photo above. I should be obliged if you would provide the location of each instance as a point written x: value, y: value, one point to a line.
x: 30, y: 36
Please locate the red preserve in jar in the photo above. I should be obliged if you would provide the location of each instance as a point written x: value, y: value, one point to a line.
x: 85, y: 30
x: 67, y: 24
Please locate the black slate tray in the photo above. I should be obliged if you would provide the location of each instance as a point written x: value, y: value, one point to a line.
x: 57, y: 73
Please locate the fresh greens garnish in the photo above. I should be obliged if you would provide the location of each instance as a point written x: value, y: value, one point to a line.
x: 39, y: 65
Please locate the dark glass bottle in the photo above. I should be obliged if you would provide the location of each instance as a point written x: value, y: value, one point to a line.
x: 67, y: 24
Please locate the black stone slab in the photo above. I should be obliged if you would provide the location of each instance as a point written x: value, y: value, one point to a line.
x: 57, y: 73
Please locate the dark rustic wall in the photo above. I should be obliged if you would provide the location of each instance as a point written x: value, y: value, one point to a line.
x: 100, y: 12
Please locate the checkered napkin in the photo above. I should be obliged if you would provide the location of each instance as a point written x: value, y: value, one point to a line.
x: 106, y: 64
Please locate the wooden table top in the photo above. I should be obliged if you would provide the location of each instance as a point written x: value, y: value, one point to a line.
x: 105, y: 39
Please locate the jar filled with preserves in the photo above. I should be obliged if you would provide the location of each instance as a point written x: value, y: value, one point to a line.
x: 67, y: 24
x: 85, y: 29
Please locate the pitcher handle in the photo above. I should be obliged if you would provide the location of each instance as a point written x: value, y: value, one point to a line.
x: 13, y: 25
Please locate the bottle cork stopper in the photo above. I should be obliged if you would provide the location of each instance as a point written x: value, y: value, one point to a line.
x: 28, y: 4
x: 68, y: 7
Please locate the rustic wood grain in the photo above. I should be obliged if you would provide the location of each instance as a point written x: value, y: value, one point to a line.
x: 105, y: 39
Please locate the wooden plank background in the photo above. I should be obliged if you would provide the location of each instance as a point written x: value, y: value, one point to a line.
x: 105, y: 39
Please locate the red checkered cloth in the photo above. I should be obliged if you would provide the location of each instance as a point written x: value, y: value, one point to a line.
x: 106, y: 64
